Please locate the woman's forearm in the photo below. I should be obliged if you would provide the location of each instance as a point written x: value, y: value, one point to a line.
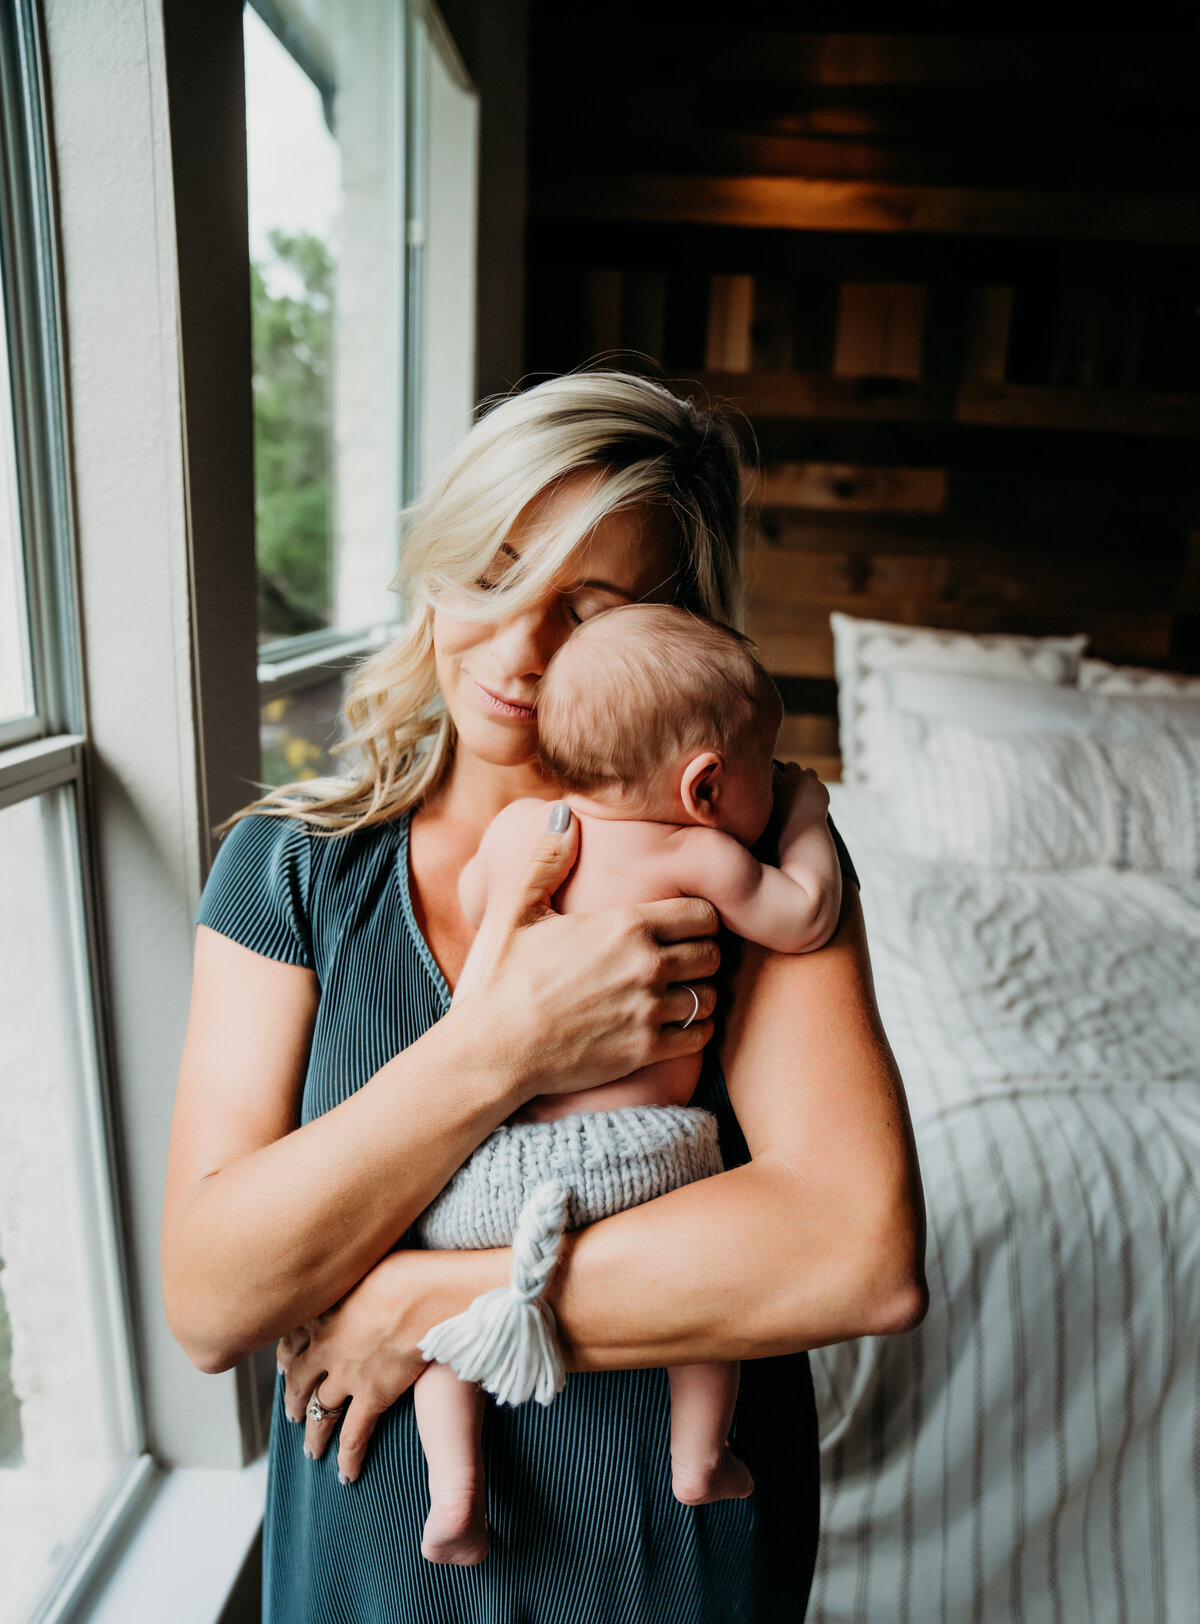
x: 275, y: 1236
x: 752, y: 1263
x: 748, y: 1264
x: 820, y: 1237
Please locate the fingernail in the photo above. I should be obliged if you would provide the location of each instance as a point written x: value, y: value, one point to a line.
x: 343, y: 1479
x: 308, y: 1454
x: 280, y: 1368
x: 560, y: 818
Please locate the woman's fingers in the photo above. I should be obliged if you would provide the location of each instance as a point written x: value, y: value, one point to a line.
x: 690, y: 961
x: 680, y: 918
x: 679, y: 1005
x: 355, y: 1436
x: 317, y: 1433
x: 675, y: 1040
x: 298, y: 1384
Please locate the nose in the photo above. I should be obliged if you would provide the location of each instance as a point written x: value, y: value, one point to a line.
x: 522, y: 644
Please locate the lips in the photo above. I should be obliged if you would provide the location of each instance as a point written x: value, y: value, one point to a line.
x: 500, y: 706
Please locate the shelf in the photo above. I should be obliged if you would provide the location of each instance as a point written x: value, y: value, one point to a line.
x: 802, y: 204
x: 795, y: 395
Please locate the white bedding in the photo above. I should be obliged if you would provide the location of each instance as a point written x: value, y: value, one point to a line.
x: 1032, y: 1451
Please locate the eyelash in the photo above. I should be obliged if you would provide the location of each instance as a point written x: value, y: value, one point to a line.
x: 488, y: 586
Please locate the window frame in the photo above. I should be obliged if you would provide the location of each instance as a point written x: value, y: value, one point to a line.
x: 292, y: 664
x: 47, y: 749
x: 157, y: 487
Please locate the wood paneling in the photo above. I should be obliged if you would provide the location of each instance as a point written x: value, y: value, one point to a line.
x: 985, y: 405
x: 950, y: 282
x: 837, y: 487
x: 798, y: 203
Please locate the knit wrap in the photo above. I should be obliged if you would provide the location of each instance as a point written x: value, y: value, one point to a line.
x: 525, y: 1185
x: 609, y: 1161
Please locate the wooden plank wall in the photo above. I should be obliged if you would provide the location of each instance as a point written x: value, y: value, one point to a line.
x: 952, y: 281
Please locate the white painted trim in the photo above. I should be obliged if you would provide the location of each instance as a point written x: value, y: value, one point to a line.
x: 116, y: 211
x: 184, y: 1557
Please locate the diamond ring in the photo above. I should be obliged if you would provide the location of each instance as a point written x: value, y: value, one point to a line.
x: 318, y: 1412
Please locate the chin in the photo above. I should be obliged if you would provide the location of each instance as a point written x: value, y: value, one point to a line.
x: 498, y: 746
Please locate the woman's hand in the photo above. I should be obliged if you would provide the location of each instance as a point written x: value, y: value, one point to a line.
x: 582, y: 999
x: 363, y: 1352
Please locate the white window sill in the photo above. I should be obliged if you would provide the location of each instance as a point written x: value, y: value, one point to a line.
x: 183, y: 1556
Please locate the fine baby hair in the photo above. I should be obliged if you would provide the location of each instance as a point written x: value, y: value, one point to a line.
x: 637, y: 687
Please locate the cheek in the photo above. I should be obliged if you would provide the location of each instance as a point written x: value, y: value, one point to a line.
x: 452, y: 638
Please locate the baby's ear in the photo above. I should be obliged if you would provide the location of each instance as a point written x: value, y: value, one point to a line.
x: 700, y: 787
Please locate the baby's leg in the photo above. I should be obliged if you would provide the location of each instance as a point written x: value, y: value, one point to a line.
x: 450, y: 1421
x: 703, y: 1467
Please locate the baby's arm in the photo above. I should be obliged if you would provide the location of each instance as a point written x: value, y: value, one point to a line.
x: 791, y: 909
x: 806, y: 848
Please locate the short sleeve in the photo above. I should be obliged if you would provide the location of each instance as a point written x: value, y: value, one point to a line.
x: 257, y: 890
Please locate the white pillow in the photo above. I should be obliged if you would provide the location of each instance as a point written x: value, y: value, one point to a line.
x: 1099, y: 677
x: 1046, y: 800
x: 863, y: 650
x: 998, y: 705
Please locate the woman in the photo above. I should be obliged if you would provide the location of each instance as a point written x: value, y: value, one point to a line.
x: 328, y: 1091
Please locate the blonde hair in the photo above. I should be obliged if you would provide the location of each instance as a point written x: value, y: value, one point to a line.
x: 636, y: 689
x: 650, y: 447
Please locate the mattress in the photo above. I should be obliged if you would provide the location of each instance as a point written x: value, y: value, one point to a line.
x: 1031, y: 1451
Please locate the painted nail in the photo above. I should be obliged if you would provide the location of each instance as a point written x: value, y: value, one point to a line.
x: 308, y: 1454
x: 343, y: 1479
x: 294, y: 1419
x: 560, y: 817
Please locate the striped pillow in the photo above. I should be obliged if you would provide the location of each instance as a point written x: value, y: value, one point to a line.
x: 1046, y: 800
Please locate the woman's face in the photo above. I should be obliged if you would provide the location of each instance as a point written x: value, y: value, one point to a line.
x: 488, y: 670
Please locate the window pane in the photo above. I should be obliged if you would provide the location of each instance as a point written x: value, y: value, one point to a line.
x: 324, y: 125
x: 297, y: 730
x: 66, y: 1412
x: 294, y: 171
x: 16, y: 692
x: 450, y: 186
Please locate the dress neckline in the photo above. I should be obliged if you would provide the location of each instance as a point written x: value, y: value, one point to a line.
x: 441, y: 986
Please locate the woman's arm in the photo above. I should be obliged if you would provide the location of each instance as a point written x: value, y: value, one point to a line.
x: 267, y: 1224
x: 820, y: 1237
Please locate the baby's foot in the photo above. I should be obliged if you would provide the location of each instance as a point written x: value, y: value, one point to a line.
x: 697, y: 1483
x: 456, y: 1530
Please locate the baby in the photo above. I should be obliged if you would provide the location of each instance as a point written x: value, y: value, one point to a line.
x: 661, y: 726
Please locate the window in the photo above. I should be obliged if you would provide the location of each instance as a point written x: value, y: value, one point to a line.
x: 71, y: 1448
x: 362, y: 136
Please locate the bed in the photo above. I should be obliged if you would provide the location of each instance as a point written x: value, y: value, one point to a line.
x: 1032, y: 1450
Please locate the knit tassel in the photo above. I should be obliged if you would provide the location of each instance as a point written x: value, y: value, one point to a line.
x: 507, y: 1339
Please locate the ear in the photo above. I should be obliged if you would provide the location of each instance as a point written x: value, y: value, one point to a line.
x: 701, y: 785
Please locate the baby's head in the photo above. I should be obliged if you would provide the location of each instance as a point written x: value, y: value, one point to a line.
x: 662, y: 714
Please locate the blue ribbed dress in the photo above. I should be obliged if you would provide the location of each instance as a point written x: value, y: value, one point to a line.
x: 584, y: 1529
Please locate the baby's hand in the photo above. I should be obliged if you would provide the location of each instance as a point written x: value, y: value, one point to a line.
x: 800, y: 796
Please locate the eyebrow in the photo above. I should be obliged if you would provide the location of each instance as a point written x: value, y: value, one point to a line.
x: 604, y: 586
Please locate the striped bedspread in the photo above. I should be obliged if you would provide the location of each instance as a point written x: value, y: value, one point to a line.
x: 1032, y: 1451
